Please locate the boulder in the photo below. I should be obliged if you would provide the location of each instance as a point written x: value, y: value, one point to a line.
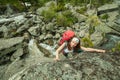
x: 86, y: 66
x: 107, y: 8
x: 7, y: 43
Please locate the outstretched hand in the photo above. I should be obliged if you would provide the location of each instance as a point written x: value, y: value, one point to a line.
x: 101, y: 51
x: 56, y: 59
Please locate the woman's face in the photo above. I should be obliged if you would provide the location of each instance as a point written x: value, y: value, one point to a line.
x: 73, y: 44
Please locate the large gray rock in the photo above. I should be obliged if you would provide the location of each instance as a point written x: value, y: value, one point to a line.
x: 114, y: 26
x: 8, y: 47
x: 34, y: 30
x: 4, y: 20
x: 96, y: 37
x: 50, y: 26
x: 110, y: 41
x: 17, y: 54
x: 79, y: 16
x: 33, y: 48
x: 25, y: 26
x: 3, y: 31
x: 107, y: 8
x: 19, y: 66
x: 86, y: 66
x: 7, y: 43
x: 6, y: 53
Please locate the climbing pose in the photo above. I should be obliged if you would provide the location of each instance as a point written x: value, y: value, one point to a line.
x: 72, y: 45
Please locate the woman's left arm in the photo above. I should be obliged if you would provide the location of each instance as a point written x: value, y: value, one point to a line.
x: 92, y: 49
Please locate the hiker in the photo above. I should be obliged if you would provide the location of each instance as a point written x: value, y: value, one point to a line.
x: 72, y: 45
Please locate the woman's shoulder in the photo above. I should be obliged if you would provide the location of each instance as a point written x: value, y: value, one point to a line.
x: 65, y: 43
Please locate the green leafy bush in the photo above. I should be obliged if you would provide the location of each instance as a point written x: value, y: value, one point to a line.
x: 48, y: 15
x: 93, y: 21
x: 15, y: 3
x: 50, y: 12
x: 60, y: 3
x: 66, y: 19
x: 61, y: 20
x: 60, y: 7
x: 40, y: 3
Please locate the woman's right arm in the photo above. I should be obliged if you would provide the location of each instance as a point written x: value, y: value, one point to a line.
x: 59, y: 50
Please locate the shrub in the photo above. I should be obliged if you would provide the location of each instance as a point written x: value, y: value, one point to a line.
x: 66, y: 19
x: 48, y: 15
x: 60, y: 7
x: 61, y: 20
x: 93, y: 21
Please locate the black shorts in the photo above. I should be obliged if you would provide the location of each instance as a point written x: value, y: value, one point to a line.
x: 78, y: 51
x: 65, y: 54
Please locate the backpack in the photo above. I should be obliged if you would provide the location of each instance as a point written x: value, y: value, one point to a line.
x: 66, y: 36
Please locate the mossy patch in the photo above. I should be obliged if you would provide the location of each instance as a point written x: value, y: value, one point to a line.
x: 82, y: 10
x: 86, y: 42
x: 116, y: 48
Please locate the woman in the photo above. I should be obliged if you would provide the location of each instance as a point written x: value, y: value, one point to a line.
x: 73, y: 45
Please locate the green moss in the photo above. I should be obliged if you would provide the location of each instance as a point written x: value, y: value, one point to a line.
x: 104, y: 16
x: 116, y: 48
x: 91, y: 29
x: 82, y: 10
x: 86, y: 42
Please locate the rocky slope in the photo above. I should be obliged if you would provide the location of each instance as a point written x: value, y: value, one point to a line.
x: 23, y: 58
